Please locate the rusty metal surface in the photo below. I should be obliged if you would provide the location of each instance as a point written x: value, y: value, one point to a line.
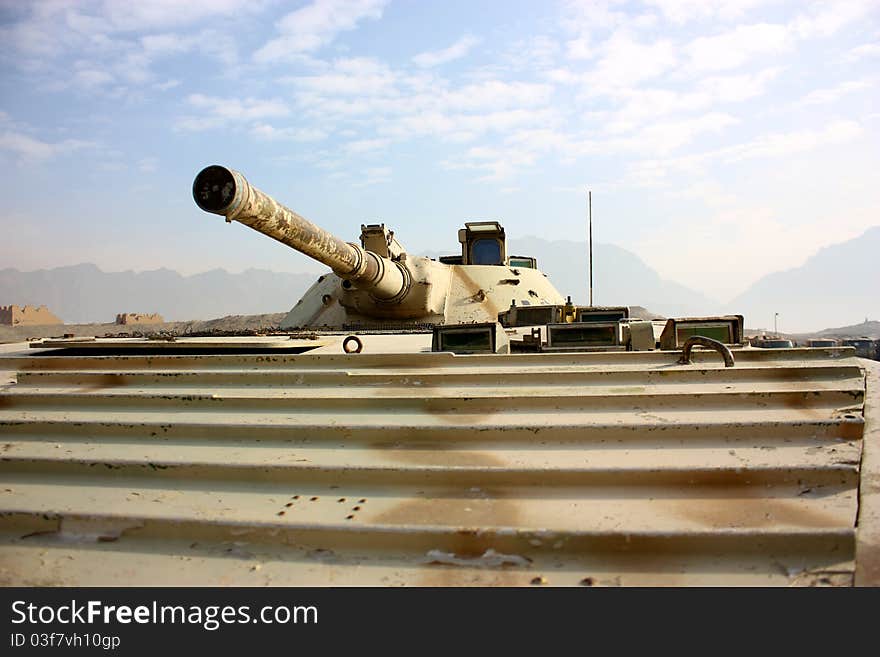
x: 868, y: 535
x: 431, y: 469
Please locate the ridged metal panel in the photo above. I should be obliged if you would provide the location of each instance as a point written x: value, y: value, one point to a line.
x: 431, y: 469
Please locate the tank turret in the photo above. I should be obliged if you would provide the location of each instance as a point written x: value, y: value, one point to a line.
x: 378, y: 282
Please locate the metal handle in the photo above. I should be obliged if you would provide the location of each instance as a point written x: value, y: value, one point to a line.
x: 720, y: 347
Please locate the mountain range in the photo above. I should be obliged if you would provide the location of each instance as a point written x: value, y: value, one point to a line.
x: 83, y: 293
x: 620, y: 278
x: 837, y: 286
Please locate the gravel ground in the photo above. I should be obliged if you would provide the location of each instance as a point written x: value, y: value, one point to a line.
x: 231, y: 323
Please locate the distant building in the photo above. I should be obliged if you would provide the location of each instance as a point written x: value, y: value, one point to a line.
x: 139, y: 318
x: 27, y: 316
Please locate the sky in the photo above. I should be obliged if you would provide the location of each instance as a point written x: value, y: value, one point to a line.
x: 721, y: 140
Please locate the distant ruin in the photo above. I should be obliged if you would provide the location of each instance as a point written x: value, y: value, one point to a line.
x: 139, y: 318
x: 27, y: 316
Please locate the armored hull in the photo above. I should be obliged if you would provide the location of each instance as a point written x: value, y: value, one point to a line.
x: 497, y: 435
x: 401, y: 466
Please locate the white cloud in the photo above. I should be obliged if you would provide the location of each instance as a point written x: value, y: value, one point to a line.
x: 643, y: 105
x: 302, y: 134
x: 495, y: 94
x: 498, y: 163
x: 738, y: 88
x: 31, y: 149
x: 709, y: 192
x: 210, y: 43
x: 168, y: 43
x: 148, y: 164
x: 792, y: 143
x: 316, y: 25
x: 238, y: 109
x: 157, y: 14
x: 357, y: 76
x: 537, y: 51
x: 832, y: 94
x: 102, y: 46
x: 527, y: 139
x: 580, y: 16
x: 625, y: 62
x: 399, y: 105
x: 585, y: 20
x: 456, y: 51
x: 683, y: 11
x: 90, y: 78
x: 651, y: 172
x: 401, y: 95
x: 670, y: 135
x: 165, y: 86
x: 735, y: 47
x: 865, y: 50
x: 580, y: 48
x: 824, y: 19
x: 218, y: 112
x: 366, y: 145
x: 538, y: 140
x: 459, y: 127
x: 373, y: 176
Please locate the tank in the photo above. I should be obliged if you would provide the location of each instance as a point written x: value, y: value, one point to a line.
x: 446, y: 422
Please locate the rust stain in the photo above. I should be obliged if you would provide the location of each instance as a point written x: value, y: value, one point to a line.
x: 458, y: 411
x: 726, y: 513
x: 475, y: 290
x: 106, y: 381
x: 851, y: 430
x: 462, y: 509
x: 452, y: 576
x: 800, y: 402
x: 492, y: 510
x: 437, y: 454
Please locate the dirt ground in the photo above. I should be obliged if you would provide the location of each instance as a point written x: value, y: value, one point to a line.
x: 232, y: 323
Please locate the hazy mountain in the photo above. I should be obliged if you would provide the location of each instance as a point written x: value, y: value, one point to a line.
x: 620, y: 278
x: 838, y: 285
x: 867, y: 329
x: 84, y: 293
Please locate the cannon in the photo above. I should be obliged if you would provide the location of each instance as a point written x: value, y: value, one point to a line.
x: 378, y: 281
x: 226, y: 192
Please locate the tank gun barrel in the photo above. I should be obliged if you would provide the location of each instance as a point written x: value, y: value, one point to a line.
x: 226, y: 192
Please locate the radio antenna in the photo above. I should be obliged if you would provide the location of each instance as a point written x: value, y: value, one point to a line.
x: 590, y: 215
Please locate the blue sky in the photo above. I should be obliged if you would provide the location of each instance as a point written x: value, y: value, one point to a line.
x: 721, y: 141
